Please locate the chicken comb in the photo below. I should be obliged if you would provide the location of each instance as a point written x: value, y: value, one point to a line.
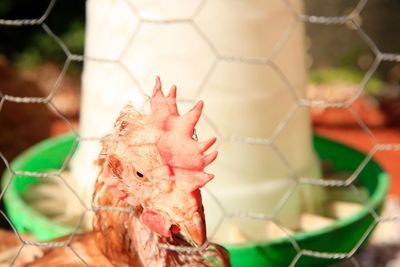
x: 183, y: 155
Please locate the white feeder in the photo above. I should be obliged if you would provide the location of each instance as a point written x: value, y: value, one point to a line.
x: 217, y: 51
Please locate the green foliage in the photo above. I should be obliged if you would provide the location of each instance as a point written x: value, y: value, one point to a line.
x: 333, y: 75
x: 74, y: 37
x: 28, y: 58
x: 29, y: 46
x: 5, y: 7
x: 350, y: 58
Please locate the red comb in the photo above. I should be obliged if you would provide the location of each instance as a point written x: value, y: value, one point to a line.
x: 184, y: 156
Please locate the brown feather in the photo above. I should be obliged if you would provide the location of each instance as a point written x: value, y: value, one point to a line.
x: 85, y: 246
x: 109, y: 227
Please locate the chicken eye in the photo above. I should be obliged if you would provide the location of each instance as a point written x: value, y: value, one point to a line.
x: 140, y: 177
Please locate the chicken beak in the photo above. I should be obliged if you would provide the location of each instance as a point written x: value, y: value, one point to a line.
x: 194, y: 230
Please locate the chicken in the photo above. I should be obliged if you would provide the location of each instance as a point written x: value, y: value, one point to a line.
x: 147, y: 199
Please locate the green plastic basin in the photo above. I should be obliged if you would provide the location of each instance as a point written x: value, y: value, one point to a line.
x: 337, y: 238
x: 48, y: 155
x: 340, y: 237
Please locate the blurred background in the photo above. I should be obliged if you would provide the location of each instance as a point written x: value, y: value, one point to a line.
x: 339, y: 61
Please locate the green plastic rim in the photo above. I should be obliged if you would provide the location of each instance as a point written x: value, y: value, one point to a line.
x: 48, y: 155
x: 340, y: 237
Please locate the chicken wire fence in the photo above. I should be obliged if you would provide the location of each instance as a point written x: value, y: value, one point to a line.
x: 353, y: 21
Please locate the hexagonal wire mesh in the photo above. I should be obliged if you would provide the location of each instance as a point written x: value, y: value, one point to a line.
x: 352, y: 20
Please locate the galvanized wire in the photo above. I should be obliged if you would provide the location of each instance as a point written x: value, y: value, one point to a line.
x: 351, y: 21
